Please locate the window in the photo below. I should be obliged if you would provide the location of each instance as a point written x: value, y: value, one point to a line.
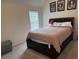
x: 34, y: 20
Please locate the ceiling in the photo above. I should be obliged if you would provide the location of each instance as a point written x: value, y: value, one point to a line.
x: 38, y: 3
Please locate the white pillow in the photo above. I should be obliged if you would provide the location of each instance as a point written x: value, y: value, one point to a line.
x: 57, y: 24
x: 67, y: 24
x: 62, y: 24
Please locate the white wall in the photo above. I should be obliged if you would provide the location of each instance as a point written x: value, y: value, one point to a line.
x: 67, y: 13
x: 14, y: 23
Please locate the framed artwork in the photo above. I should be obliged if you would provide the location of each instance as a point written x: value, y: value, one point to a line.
x: 60, y: 5
x: 71, y: 4
x: 53, y: 6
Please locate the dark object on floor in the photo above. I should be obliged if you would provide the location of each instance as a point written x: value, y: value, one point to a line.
x: 6, y: 46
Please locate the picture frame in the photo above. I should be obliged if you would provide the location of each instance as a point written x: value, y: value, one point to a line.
x: 53, y: 6
x: 60, y: 5
x: 71, y: 4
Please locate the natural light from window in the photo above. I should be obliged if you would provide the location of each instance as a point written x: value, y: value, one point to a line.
x: 34, y: 20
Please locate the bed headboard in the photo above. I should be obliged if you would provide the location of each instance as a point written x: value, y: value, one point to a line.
x: 64, y: 19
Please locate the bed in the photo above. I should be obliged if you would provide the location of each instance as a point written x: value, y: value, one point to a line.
x: 51, y: 49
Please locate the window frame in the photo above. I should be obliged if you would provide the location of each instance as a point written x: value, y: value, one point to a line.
x: 29, y: 18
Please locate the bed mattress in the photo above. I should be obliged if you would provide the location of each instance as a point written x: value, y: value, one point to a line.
x: 51, y: 35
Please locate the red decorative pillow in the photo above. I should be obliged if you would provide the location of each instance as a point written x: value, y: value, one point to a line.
x: 51, y: 21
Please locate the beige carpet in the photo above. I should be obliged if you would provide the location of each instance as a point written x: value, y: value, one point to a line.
x: 30, y: 54
x: 21, y: 52
x: 71, y: 52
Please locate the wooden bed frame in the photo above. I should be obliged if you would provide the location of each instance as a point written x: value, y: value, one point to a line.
x: 43, y: 48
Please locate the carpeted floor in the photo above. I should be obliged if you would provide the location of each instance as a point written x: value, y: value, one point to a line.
x: 21, y: 52
x: 71, y: 52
